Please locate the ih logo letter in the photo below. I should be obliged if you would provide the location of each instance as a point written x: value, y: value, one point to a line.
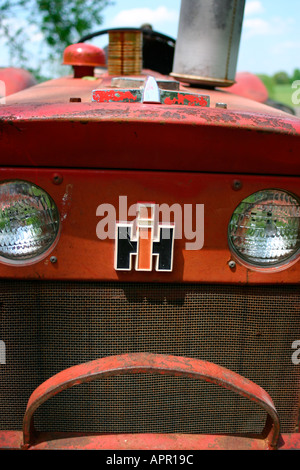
x: 140, y: 242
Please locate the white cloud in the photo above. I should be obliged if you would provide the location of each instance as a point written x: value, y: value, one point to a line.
x: 256, y: 27
x: 138, y: 16
x: 254, y: 7
x: 271, y: 27
x: 287, y: 47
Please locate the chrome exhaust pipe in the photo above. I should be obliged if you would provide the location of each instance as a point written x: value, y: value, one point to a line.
x: 208, y: 42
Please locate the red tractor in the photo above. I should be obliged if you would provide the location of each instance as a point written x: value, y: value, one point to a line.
x: 149, y: 251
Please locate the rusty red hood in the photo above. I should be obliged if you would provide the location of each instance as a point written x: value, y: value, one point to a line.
x: 41, y: 127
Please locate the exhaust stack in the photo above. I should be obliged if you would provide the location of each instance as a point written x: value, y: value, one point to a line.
x: 208, y: 42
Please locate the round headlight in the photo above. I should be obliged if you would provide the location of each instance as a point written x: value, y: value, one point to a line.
x: 29, y: 222
x: 264, y: 230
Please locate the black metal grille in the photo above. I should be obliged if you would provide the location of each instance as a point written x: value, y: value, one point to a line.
x: 50, y: 326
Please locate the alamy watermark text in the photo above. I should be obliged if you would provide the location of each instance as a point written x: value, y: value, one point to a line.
x: 2, y: 92
x: 188, y: 220
x: 296, y: 93
x: 2, y: 353
x: 296, y: 354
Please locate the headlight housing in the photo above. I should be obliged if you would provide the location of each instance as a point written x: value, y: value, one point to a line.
x: 264, y: 230
x: 29, y: 222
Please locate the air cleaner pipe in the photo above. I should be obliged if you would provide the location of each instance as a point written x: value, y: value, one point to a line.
x: 208, y: 41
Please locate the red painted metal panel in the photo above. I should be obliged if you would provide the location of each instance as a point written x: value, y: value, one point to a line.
x: 149, y: 137
x: 246, y: 138
x: 123, y: 96
x: 82, y: 255
x: 154, y: 137
x: 174, y: 442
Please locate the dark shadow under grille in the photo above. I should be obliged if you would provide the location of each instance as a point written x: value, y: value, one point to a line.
x: 50, y: 326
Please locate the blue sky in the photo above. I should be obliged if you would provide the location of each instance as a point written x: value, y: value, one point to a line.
x: 270, y: 39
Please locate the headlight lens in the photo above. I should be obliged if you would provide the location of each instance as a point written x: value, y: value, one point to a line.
x: 29, y: 221
x: 264, y: 230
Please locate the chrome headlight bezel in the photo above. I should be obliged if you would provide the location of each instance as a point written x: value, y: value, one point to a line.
x: 30, y: 209
x: 273, y: 229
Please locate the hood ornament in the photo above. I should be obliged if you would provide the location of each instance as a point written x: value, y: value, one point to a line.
x: 149, y: 93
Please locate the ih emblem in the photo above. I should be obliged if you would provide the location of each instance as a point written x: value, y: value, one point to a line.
x: 143, y: 244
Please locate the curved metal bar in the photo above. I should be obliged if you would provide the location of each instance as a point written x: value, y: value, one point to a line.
x: 151, y: 364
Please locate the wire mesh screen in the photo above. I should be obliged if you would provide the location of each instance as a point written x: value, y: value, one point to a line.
x: 50, y: 326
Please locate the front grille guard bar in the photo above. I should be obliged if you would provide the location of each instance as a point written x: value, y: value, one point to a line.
x: 144, y: 363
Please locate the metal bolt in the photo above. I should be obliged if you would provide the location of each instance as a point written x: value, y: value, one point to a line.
x: 221, y: 105
x: 237, y: 185
x: 57, y: 179
x: 53, y: 259
x: 232, y: 264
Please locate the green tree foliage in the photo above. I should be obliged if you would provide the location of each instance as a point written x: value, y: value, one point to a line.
x: 281, y: 78
x: 296, y: 75
x: 61, y: 22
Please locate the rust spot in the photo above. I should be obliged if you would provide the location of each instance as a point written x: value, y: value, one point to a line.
x: 66, y: 202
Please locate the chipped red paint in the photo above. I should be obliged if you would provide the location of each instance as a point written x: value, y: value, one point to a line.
x: 103, y: 96
x: 190, y: 100
x: 236, y: 142
x: 152, y: 364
